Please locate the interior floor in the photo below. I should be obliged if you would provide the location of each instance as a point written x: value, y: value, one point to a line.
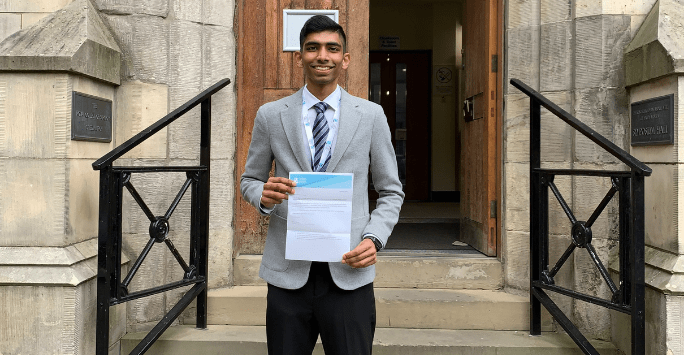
x: 428, y: 226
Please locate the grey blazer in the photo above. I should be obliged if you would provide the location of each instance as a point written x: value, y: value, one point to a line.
x: 363, y: 143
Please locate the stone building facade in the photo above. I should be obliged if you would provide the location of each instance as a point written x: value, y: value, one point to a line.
x: 591, y: 57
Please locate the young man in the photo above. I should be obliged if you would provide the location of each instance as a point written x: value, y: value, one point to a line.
x: 322, y: 128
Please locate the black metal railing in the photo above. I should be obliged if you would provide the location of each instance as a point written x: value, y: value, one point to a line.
x: 111, y: 290
x: 628, y: 185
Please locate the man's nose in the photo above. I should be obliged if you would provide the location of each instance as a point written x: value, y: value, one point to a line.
x: 322, y: 55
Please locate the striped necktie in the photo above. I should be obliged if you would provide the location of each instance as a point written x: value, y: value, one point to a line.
x: 320, y: 134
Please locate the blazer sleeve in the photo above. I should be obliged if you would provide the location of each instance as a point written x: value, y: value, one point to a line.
x: 259, y: 161
x: 383, y: 167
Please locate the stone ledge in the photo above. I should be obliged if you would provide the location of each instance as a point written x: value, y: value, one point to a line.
x: 74, y: 39
x: 656, y: 49
x: 664, y: 271
x: 50, y: 266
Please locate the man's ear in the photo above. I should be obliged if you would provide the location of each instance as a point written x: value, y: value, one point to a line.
x: 298, y: 59
x: 345, y: 61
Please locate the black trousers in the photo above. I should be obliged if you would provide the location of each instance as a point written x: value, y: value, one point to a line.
x: 344, y: 319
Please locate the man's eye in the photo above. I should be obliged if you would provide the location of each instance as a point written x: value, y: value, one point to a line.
x: 333, y: 49
x: 311, y: 48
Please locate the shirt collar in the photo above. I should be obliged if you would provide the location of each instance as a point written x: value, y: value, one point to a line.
x: 333, y: 100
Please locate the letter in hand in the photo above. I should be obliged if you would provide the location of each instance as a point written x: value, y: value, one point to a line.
x: 363, y: 255
x: 276, y: 189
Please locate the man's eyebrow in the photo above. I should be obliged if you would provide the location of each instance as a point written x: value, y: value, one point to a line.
x: 318, y: 43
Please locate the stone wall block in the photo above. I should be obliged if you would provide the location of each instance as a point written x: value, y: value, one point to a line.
x: 592, y: 319
x: 517, y: 128
x: 186, y: 83
x: 219, y: 63
x: 516, y: 197
x: 82, y: 201
x: 142, y: 7
x: 139, y: 105
x: 220, y: 258
x: 555, y: 11
x: 556, y: 135
x: 523, y: 13
x: 517, y: 259
x: 219, y: 12
x: 598, y: 58
x: 9, y: 23
x: 222, y: 196
x: 218, y: 57
x: 612, y: 7
x: 606, y: 112
x: 62, y: 316
x: 663, y: 191
x: 144, y: 44
x: 556, y: 58
x: 34, y: 110
x: 523, y: 64
x: 32, y: 5
x: 38, y: 220
x: 188, y: 10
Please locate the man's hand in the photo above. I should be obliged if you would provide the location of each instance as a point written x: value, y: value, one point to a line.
x: 363, y: 255
x: 276, y: 190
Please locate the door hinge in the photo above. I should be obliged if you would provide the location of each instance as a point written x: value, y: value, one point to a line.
x: 495, y: 63
x: 492, y: 209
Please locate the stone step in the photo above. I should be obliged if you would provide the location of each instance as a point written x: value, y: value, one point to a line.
x: 430, y: 270
x: 247, y: 340
x: 395, y: 307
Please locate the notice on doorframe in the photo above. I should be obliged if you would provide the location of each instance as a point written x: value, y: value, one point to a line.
x: 390, y: 42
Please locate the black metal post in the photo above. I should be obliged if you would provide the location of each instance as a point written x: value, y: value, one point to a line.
x: 535, y: 222
x: 638, y: 263
x: 625, y: 240
x: 103, y: 250
x: 203, y: 247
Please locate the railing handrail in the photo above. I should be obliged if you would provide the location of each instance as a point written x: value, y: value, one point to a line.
x: 134, y: 141
x: 635, y: 164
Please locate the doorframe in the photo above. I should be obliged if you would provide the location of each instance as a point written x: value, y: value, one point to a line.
x: 429, y: 128
x: 500, y: 37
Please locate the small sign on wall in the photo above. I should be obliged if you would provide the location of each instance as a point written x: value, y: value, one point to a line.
x: 444, y: 80
x: 653, y: 121
x: 293, y: 21
x: 390, y: 42
x: 91, y: 118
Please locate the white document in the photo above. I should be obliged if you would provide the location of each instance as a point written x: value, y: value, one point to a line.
x: 319, y: 217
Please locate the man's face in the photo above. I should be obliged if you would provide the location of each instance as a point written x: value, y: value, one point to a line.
x: 322, y: 58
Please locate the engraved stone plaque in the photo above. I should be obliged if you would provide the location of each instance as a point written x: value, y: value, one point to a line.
x: 91, y: 118
x: 653, y: 121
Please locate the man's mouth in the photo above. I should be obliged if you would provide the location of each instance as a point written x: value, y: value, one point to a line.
x: 322, y: 68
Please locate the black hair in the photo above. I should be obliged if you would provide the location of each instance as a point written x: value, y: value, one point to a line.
x: 321, y: 23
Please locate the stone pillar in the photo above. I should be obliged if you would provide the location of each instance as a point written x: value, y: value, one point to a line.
x: 654, y: 65
x: 48, y: 190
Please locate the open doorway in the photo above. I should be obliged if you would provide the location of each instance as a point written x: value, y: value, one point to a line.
x: 421, y: 71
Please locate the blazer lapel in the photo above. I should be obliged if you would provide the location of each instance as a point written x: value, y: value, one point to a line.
x: 350, y: 117
x: 291, y: 118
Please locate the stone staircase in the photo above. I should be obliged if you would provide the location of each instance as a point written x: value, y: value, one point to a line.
x: 427, y: 303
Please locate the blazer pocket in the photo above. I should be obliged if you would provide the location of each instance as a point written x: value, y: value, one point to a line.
x: 274, y: 249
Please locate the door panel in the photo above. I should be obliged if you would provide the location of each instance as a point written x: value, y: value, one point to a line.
x: 478, y: 153
x: 394, y: 78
